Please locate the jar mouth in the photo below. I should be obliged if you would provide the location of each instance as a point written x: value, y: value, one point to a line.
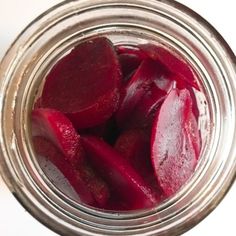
x: 47, y: 39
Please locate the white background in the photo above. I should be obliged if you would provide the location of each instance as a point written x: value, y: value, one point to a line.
x: 14, y: 16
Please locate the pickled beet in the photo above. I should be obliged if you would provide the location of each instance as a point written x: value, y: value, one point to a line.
x: 56, y: 127
x: 172, y: 148
x: 139, y: 84
x: 85, y: 82
x: 47, y: 149
x: 134, y: 146
x: 123, y: 179
x: 172, y: 61
x: 120, y: 123
x: 89, y: 186
x: 129, y: 63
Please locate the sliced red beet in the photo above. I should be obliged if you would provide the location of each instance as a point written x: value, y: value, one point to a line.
x: 56, y: 127
x: 139, y: 84
x: 124, y: 180
x: 134, y: 146
x: 90, y: 187
x: 145, y: 110
x: 129, y: 63
x: 182, y: 84
x: 172, y: 61
x: 85, y: 83
x: 99, y: 189
x: 194, y: 135
x: 46, y: 149
x: 173, y: 155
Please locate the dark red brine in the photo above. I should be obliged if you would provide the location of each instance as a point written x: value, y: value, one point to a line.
x: 120, y: 123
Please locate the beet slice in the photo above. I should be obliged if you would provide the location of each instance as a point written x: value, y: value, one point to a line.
x: 148, y: 71
x: 172, y: 61
x: 56, y: 127
x: 144, y: 112
x: 123, y: 179
x: 91, y: 189
x: 46, y: 149
x: 134, y: 146
x: 96, y: 185
x: 182, y: 84
x: 129, y: 63
x: 173, y: 155
x: 85, y: 83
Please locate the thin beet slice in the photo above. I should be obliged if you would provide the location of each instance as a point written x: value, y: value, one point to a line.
x: 129, y: 63
x: 182, y: 84
x: 90, y: 187
x: 134, y: 146
x: 56, y: 127
x: 144, y: 112
x: 85, y: 83
x: 96, y: 185
x: 173, y: 155
x: 124, y: 180
x: 148, y: 71
x: 172, y: 61
x: 46, y: 149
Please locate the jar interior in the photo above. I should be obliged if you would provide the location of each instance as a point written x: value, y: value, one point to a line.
x: 119, y: 35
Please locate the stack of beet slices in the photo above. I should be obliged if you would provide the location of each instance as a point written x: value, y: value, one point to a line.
x: 120, y: 123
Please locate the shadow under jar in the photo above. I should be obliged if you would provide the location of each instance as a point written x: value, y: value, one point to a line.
x: 130, y: 22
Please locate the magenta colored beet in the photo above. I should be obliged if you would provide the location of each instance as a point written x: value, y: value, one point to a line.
x: 144, y: 112
x: 129, y: 63
x: 134, y: 146
x: 173, y: 155
x: 90, y: 187
x: 148, y: 71
x: 172, y: 61
x: 85, y: 83
x: 96, y: 185
x: 130, y: 57
x: 56, y: 127
x: 182, y: 84
x: 47, y: 149
x: 117, y: 171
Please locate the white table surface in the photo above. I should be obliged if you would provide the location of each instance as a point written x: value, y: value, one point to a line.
x: 14, y: 16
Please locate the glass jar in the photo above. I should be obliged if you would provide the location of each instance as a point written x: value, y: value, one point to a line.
x: 132, y: 22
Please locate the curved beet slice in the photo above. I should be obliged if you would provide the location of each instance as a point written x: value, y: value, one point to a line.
x: 90, y: 187
x: 182, y: 84
x: 124, y: 180
x: 84, y: 84
x: 134, y: 146
x: 172, y: 61
x: 129, y: 63
x: 46, y: 149
x: 56, y: 127
x: 173, y: 155
x: 148, y: 71
x: 144, y: 112
x: 96, y: 185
